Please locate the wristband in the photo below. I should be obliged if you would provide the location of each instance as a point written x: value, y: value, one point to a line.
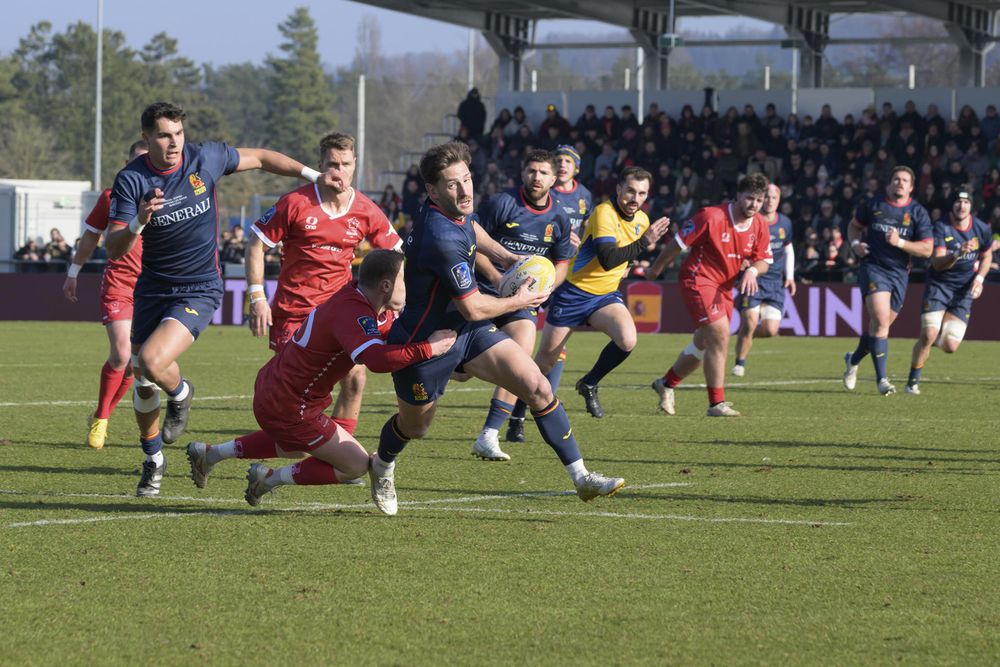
x: 900, y: 242
x: 979, y: 279
x: 135, y: 226
x: 310, y: 174
x: 73, y: 271
x: 754, y: 269
x: 260, y: 298
x: 255, y: 288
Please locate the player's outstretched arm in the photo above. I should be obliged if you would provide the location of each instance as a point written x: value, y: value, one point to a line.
x: 122, y: 236
x: 260, y: 311
x: 666, y: 256
x: 854, y: 232
x: 985, y: 262
x: 87, y: 244
x: 391, y: 358
x: 491, y: 249
x: 275, y: 163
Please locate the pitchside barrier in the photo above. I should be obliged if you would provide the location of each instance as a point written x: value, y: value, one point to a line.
x: 819, y: 309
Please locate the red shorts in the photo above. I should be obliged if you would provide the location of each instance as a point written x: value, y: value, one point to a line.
x: 115, y: 305
x: 282, y: 332
x: 303, y: 436
x: 707, y: 302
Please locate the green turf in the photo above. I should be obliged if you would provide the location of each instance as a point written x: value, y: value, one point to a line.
x: 887, y: 553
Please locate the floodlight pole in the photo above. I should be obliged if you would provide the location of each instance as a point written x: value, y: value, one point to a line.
x: 472, y: 60
x: 360, y: 171
x: 97, y: 97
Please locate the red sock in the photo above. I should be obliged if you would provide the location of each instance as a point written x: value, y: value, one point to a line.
x: 313, y: 471
x: 122, y: 389
x: 671, y: 379
x: 716, y: 395
x: 256, y: 445
x: 347, y: 424
x: 110, y: 382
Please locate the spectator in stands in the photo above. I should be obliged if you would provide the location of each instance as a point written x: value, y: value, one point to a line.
x: 975, y: 164
x: 708, y: 119
x: 628, y: 120
x: 688, y: 122
x: 991, y: 186
x: 826, y: 219
x: 932, y: 117
x: 654, y: 116
x: 603, y: 186
x: 389, y: 197
x: 989, y: 126
x: 912, y: 116
x: 771, y: 119
x: 554, y: 119
x: 709, y: 191
x: 394, y: 215
x: 413, y: 174
x: 725, y: 128
x: 479, y: 158
x: 502, y: 120
x: 827, y: 127
x: 610, y: 124
x: 413, y: 197
x: 763, y: 163
x: 588, y: 120
x: 649, y: 158
x: 57, y: 250
x: 684, y: 204
x: 746, y: 141
x: 752, y: 120
x: 517, y: 122
x: 792, y: 129
x: 29, y: 252
x: 493, y: 177
x: 235, y: 247
x: 472, y: 114
x: 967, y: 119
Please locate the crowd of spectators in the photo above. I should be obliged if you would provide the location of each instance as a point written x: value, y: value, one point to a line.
x: 825, y: 165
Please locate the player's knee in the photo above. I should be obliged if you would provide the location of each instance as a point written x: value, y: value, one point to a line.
x: 768, y: 328
x: 627, y: 341
x: 537, y: 391
x: 151, y: 364
x: 120, y: 357
x: 952, y: 333
x: 356, y: 467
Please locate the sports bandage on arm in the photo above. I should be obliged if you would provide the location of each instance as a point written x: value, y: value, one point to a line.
x: 609, y: 255
x: 789, y: 263
x: 73, y: 271
x: 310, y: 174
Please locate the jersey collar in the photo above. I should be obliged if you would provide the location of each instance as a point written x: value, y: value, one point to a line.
x: 457, y: 221
x: 732, y: 220
x: 334, y: 216
x: 530, y: 207
x: 158, y: 172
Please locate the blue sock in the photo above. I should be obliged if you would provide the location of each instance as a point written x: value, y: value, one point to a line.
x: 175, y: 392
x: 520, y: 408
x: 391, y: 442
x: 864, y: 344
x: 610, y: 358
x: 741, y: 362
x: 553, y: 424
x: 880, y: 353
x: 914, y: 375
x: 499, y: 411
x: 151, y: 445
x: 555, y: 375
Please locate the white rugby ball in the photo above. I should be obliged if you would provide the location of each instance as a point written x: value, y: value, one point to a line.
x: 531, y: 267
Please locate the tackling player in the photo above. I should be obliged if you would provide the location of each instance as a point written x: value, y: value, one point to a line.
x: 525, y: 222
x: 616, y: 233
x: 962, y: 258
x: 768, y: 304
x: 117, y: 284
x: 168, y: 197
x: 884, y: 233
x: 442, y: 293
x: 320, y: 228
x: 574, y: 199
x: 721, y: 238
x: 293, y: 388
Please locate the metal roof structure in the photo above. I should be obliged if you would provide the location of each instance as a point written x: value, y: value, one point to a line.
x: 509, y: 26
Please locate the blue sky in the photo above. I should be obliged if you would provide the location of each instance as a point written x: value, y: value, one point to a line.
x: 232, y: 31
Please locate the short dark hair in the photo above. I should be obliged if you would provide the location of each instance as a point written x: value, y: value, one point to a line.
x: 379, y: 265
x: 440, y: 157
x: 635, y: 173
x: 904, y: 168
x: 137, y: 145
x: 754, y: 184
x: 337, y: 141
x: 158, y: 110
x: 538, y: 155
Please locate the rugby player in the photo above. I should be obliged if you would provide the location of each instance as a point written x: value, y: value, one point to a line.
x: 884, y: 233
x: 117, y: 284
x: 320, y: 228
x: 766, y: 307
x: 442, y: 292
x: 962, y: 257
x: 293, y: 388
x: 721, y: 240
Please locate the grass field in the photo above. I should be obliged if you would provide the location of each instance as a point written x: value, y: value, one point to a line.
x: 821, y: 528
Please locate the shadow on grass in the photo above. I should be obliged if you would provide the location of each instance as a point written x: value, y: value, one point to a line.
x: 925, y: 469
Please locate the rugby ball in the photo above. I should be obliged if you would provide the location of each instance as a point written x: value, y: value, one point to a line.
x: 532, y: 267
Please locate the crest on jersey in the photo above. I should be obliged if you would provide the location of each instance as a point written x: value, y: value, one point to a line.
x: 638, y: 229
x: 197, y: 184
x: 974, y: 243
x: 419, y: 393
x: 268, y: 214
x: 462, y: 275
x: 368, y: 325
x: 725, y: 237
x: 548, y: 233
x: 583, y: 206
x: 781, y: 233
x: 687, y: 228
x: 906, y: 219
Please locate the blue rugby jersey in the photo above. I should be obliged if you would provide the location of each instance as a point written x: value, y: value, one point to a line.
x: 951, y: 238
x: 878, y: 216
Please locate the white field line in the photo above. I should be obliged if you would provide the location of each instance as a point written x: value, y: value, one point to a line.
x: 426, y: 505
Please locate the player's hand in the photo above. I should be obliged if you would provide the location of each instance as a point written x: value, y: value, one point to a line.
x: 790, y: 286
x: 656, y: 230
x: 963, y: 249
x: 892, y: 237
x: 574, y: 239
x: 976, y: 290
x: 508, y: 259
x: 748, y: 283
x: 441, y: 341
x: 260, y: 318
x: 860, y: 248
x: 151, y: 202
x: 526, y: 297
x: 69, y: 289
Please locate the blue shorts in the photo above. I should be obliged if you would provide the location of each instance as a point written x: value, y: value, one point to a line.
x: 771, y: 292
x: 424, y: 382
x: 523, y: 314
x: 191, y: 304
x: 873, y: 278
x: 957, y: 301
x: 570, y: 306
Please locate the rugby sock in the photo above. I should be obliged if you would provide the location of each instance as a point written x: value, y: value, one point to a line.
x: 741, y: 362
x: 178, y: 393
x: 914, y: 375
x: 554, y: 376
x: 672, y: 379
x: 347, y: 424
x: 880, y: 353
x: 520, y: 408
x: 111, y: 381
x: 554, y: 426
x: 577, y: 470
x: 391, y: 444
x: 125, y: 385
x: 151, y: 445
x: 256, y: 445
x: 499, y: 411
x: 312, y: 471
x: 716, y: 395
x: 864, y: 343
x: 610, y: 358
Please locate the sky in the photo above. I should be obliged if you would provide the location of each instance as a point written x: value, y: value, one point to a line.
x: 221, y: 32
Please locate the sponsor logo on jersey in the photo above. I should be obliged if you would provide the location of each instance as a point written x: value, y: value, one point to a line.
x: 311, y: 222
x: 462, y: 275
x: 368, y: 325
x: 638, y: 229
x: 182, y: 214
x: 190, y: 311
x: 197, y: 184
x: 725, y: 237
x: 472, y: 249
x: 268, y: 214
x: 419, y: 393
x: 353, y: 227
x: 512, y: 225
x: 548, y: 233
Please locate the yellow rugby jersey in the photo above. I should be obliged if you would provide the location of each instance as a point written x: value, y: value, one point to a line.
x: 605, y: 225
